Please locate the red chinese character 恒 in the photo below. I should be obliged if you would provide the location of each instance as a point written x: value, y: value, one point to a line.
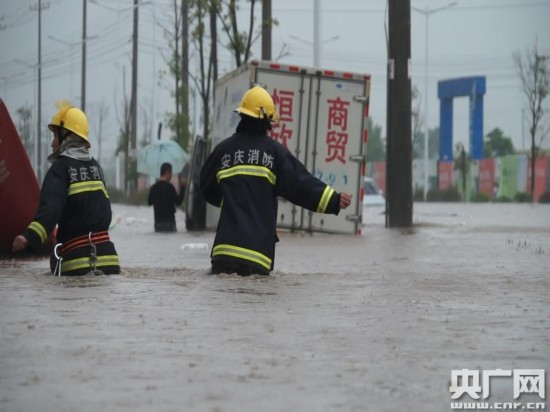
x: 283, y: 100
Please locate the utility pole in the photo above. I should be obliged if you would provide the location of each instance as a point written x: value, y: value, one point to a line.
x: 39, y: 114
x: 83, y: 79
x: 85, y: 39
x: 39, y: 8
x: 126, y: 133
x: 185, y: 73
x: 463, y: 161
x: 399, y: 151
x: 266, y: 30
x: 522, y: 129
x: 316, y: 33
x: 133, y: 99
x: 427, y: 12
x: 213, y: 46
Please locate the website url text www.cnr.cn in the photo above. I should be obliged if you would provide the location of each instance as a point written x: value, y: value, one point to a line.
x: 498, y: 405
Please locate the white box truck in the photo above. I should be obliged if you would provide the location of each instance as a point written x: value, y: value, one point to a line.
x: 323, y: 123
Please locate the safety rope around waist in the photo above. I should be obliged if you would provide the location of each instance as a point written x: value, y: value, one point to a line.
x: 95, y: 238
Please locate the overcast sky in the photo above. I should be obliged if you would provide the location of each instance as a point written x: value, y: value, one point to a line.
x: 474, y: 37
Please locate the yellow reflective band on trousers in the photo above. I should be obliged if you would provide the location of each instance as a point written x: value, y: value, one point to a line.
x: 91, y: 186
x: 325, y: 198
x: 39, y: 230
x: 242, y: 253
x: 249, y: 170
x: 83, y: 263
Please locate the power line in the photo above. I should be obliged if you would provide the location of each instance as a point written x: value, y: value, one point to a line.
x: 344, y: 10
x: 504, y: 6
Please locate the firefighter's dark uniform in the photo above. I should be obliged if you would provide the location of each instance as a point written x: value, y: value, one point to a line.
x: 74, y: 196
x: 244, y: 175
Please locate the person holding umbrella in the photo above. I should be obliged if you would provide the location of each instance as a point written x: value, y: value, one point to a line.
x: 164, y: 199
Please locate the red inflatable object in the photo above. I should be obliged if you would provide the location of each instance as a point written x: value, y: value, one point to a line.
x: 19, y: 189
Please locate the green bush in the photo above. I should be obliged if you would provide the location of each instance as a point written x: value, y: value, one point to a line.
x: 504, y: 199
x: 545, y: 197
x: 447, y: 195
x: 479, y: 198
x: 523, y: 197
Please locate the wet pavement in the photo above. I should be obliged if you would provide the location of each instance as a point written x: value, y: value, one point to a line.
x: 345, y: 323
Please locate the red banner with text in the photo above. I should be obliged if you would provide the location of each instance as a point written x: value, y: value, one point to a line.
x: 445, y: 173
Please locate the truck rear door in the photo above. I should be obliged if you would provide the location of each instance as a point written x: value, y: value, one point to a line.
x: 323, y: 124
x: 335, y: 148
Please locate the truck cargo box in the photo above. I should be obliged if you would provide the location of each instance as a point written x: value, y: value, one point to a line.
x: 323, y: 123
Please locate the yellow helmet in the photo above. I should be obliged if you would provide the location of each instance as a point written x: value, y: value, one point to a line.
x: 72, y: 119
x: 257, y: 102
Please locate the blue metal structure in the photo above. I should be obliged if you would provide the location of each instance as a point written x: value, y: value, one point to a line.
x: 447, y: 90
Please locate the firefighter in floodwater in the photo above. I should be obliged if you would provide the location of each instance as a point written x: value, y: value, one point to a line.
x: 73, y: 197
x: 244, y: 175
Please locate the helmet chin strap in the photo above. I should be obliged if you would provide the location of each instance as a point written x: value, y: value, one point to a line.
x: 63, y: 133
x: 266, y: 119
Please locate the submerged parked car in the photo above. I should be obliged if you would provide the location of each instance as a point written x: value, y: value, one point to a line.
x: 373, y: 196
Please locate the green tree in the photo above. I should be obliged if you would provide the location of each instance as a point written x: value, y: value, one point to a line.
x: 416, y: 121
x: 376, y: 145
x: 497, y: 145
x: 194, y: 24
x: 240, y: 42
x: 193, y: 32
x: 534, y: 72
x: 202, y: 15
x: 462, y: 162
x: 123, y: 143
x: 97, y: 114
x: 176, y: 61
